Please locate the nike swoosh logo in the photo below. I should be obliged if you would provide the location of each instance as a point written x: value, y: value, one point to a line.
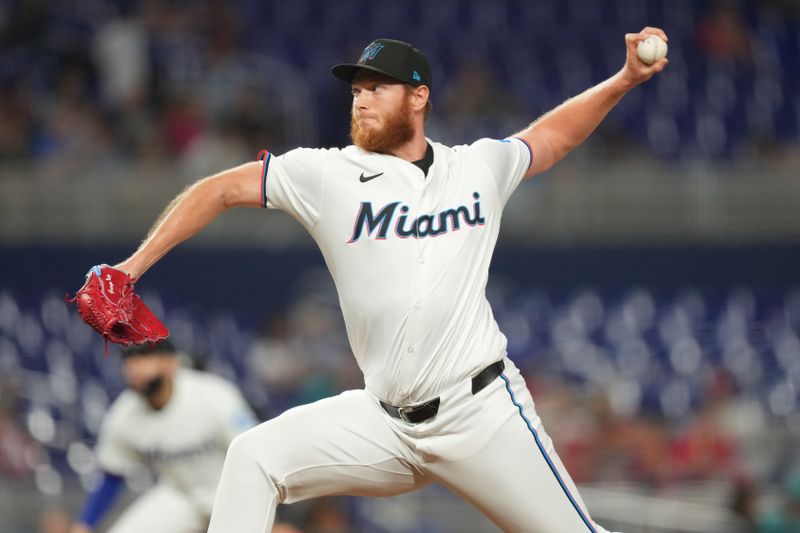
x: 364, y: 179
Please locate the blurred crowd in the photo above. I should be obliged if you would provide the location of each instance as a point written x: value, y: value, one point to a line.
x: 207, y: 83
x: 87, y: 83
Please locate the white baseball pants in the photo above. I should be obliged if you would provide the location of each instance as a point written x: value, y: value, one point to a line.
x: 162, y: 509
x: 490, y: 448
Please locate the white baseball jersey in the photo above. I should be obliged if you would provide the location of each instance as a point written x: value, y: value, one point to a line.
x: 185, y: 442
x: 409, y: 253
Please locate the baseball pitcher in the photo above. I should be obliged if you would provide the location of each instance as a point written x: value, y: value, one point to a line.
x: 407, y: 227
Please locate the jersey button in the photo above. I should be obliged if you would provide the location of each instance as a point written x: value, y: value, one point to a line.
x: 421, y: 260
x: 410, y: 349
x: 418, y: 305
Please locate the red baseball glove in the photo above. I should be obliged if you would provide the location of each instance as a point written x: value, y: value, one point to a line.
x: 108, y: 303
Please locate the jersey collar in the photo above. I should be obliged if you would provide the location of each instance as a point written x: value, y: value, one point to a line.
x: 425, y: 163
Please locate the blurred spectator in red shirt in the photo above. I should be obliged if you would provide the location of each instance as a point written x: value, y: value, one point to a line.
x: 723, y: 35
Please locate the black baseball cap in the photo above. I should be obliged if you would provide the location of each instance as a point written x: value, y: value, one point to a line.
x: 394, y: 58
x: 165, y: 347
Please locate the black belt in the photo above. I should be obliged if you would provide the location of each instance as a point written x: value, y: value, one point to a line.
x: 422, y: 412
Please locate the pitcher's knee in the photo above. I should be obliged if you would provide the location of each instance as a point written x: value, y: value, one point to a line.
x: 247, y: 494
x: 245, y: 449
x: 248, y: 457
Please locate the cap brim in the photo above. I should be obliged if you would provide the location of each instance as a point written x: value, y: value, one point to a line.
x: 347, y: 71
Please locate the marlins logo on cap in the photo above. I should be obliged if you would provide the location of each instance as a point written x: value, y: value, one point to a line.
x: 390, y: 57
x: 371, y: 51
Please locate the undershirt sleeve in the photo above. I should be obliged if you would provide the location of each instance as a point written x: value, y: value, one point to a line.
x: 101, y: 499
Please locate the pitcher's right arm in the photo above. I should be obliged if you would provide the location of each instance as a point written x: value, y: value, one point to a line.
x: 194, y: 209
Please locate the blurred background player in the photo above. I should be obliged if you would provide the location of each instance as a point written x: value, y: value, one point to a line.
x: 176, y: 421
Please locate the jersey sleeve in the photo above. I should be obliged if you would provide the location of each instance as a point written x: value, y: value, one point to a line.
x: 114, y: 454
x: 292, y: 182
x: 508, y: 160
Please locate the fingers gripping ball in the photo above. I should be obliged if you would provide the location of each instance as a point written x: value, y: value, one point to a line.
x: 108, y: 303
x: 652, y: 49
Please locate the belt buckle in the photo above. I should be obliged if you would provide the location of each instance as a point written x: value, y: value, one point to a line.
x: 402, y: 412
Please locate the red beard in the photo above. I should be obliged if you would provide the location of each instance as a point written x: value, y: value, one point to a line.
x: 397, y: 130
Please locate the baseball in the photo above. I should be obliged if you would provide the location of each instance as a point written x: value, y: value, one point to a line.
x: 652, y: 49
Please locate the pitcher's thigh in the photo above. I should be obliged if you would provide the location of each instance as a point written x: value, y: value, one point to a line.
x: 339, y: 445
